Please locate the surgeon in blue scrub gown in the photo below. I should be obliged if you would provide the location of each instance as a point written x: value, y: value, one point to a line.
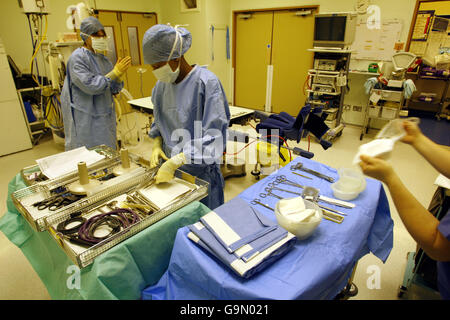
x: 87, y: 95
x: 191, y: 112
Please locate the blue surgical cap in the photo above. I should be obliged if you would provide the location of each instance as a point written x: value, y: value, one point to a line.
x: 89, y: 26
x: 158, y: 42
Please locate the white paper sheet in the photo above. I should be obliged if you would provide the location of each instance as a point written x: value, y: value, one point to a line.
x: 163, y: 194
x: 442, y: 181
x: 66, y: 162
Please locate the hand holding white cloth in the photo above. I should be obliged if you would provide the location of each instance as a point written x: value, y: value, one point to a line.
x: 167, y: 170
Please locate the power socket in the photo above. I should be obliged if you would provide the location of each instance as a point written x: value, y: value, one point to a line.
x: 357, y: 108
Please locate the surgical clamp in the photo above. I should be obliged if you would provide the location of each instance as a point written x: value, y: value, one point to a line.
x: 257, y: 201
x: 339, y: 203
x: 299, y: 166
x: 269, y: 192
x: 284, y: 180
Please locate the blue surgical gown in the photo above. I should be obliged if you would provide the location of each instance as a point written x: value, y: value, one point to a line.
x: 87, y: 101
x: 443, y: 267
x: 192, y: 117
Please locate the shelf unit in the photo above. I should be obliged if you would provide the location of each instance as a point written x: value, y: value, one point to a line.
x: 36, y: 128
x: 429, y: 82
x: 328, y: 78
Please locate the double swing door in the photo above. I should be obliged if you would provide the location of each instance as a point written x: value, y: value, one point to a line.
x: 271, y: 59
x: 125, y: 31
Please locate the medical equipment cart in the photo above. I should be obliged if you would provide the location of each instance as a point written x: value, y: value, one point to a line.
x: 383, y: 104
x: 327, y: 84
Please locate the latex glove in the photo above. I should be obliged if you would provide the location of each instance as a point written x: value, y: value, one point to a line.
x: 413, y: 132
x: 376, y: 168
x: 167, y: 170
x: 123, y: 64
x: 120, y: 68
x: 157, y: 152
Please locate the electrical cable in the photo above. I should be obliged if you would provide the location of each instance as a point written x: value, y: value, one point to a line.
x: 38, y: 47
x: 57, y: 116
x: 116, y: 220
x: 256, y: 139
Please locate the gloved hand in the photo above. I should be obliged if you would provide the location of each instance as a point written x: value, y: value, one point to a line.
x: 123, y: 64
x: 157, y: 152
x: 120, y: 68
x: 167, y: 170
x: 376, y: 168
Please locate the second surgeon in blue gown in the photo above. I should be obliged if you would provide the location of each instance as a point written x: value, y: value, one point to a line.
x: 87, y: 95
x: 191, y: 112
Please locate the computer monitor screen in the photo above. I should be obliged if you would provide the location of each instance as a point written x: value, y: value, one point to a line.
x: 330, y: 28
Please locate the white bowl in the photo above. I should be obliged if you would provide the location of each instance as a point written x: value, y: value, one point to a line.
x: 301, y: 230
x: 350, y: 184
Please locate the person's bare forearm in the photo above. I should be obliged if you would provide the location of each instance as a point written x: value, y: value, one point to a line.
x: 419, y: 222
x: 438, y: 156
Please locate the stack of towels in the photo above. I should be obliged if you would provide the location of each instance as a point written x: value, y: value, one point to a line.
x: 295, y: 211
x: 241, y: 237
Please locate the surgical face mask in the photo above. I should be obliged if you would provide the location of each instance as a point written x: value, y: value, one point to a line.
x: 100, y: 45
x: 165, y: 73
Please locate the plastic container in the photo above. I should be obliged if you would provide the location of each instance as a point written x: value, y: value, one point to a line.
x: 374, y: 111
x: 350, y: 184
x: 389, y: 113
x: 301, y: 230
x: 394, y: 129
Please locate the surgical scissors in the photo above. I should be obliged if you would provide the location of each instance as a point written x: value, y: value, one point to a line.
x: 56, y: 202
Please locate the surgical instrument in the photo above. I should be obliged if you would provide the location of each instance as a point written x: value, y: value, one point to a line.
x: 293, y: 171
x: 270, y: 193
x: 299, y: 166
x: 57, y: 202
x: 279, y: 189
x: 339, y: 203
x: 306, y: 195
x: 312, y: 194
x: 257, y: 201
x: 332, y: 216
x: 284, y: 180
x: 149, y: 179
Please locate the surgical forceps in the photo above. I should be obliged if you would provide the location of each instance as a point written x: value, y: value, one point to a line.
x: 299, y: 166
x: 293, y: 171
x: 257, y: 201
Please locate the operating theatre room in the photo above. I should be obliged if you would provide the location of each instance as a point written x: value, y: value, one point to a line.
x: 218, y: 150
